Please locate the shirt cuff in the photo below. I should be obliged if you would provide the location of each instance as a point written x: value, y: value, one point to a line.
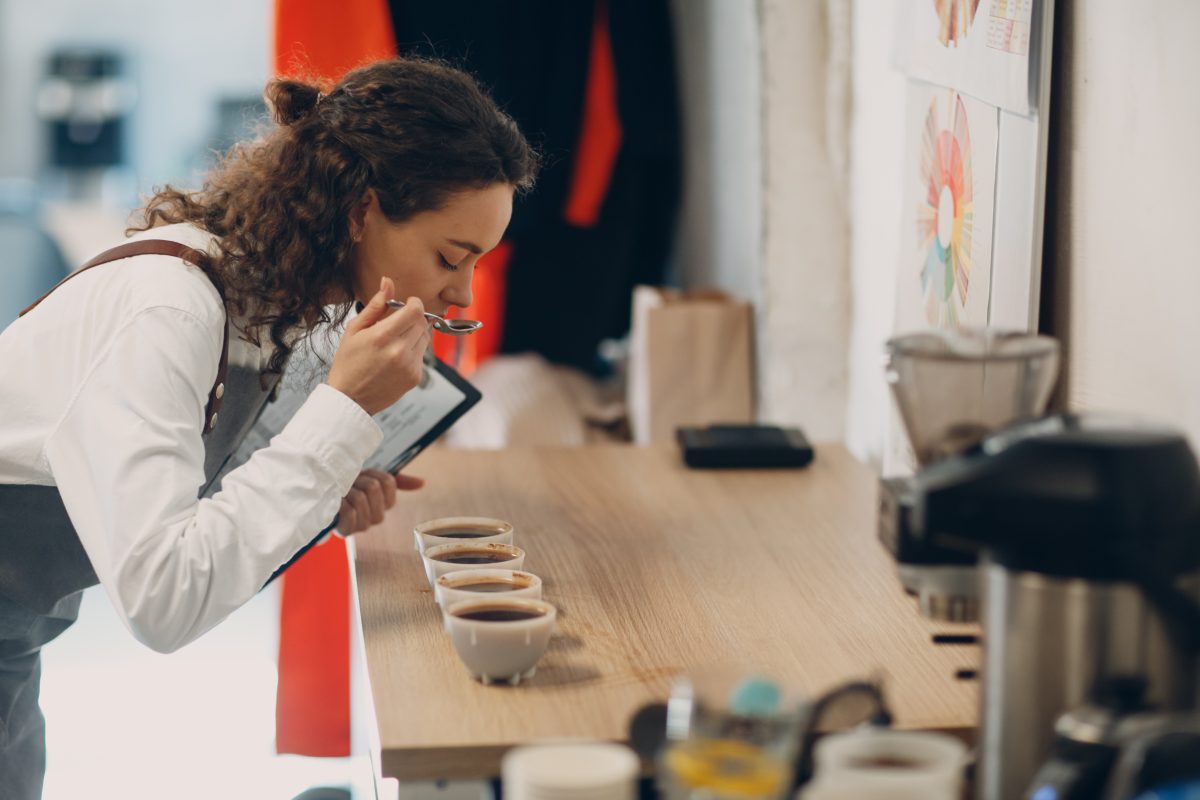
x: 337, y: 429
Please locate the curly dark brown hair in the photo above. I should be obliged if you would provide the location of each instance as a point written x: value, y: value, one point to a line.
x: 415, y: 130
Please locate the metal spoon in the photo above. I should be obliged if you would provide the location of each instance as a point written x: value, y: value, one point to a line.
x: 453, y: 327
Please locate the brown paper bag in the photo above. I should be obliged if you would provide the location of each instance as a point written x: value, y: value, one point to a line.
x: 690, y: 362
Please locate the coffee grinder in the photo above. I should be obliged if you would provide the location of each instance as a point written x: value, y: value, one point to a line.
x: 1086, y: 529
x: 953, y: 388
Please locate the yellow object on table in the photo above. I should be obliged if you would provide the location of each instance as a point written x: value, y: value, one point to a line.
x: 727, y: 768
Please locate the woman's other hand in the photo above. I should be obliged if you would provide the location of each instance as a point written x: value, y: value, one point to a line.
x: 381, y: 354
x: 373, y: 494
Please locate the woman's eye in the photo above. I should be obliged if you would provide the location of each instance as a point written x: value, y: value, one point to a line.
x: 447, y: 264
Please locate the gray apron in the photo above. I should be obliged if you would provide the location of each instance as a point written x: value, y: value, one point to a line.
x: 44, y: 570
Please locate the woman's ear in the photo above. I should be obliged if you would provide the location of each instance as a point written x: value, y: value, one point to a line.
x: 358, y: 217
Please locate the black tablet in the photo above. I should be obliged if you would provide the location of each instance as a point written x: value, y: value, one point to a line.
x: 410, y: 425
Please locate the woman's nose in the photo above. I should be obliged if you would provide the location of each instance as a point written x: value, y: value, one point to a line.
x: 459, y: 293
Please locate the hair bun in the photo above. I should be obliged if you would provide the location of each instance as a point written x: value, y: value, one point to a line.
x: 291, y: 101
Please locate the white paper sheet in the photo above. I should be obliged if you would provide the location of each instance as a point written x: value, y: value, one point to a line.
x: 949, y: 192
x: 984, y: 48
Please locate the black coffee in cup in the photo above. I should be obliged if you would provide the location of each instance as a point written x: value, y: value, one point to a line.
x: 489, y: 586
x: 887, y: 762
x: 499, y: 613
x: 463, y: 533
x: 467, y: 556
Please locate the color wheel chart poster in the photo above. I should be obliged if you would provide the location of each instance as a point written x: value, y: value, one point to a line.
x: 984, y: 48
x: 947, y: 207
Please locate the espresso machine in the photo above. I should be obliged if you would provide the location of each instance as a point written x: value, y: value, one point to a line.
x: 1073, y: 539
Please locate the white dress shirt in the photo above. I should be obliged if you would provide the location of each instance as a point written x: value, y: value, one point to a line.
x: 103, y: 396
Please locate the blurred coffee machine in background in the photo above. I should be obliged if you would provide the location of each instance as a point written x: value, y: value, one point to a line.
x: 1087, y: 529
x: 85, y: 101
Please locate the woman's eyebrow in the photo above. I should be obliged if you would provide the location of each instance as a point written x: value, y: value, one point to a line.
x: 474, y: 248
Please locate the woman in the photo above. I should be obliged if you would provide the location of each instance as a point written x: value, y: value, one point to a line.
x: 398, y: 179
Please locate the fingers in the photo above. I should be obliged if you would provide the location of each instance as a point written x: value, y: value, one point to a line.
x: 389, y: 486
x: 407, y: 320
x: 403, y: 330
x: 369, y: 494
x: 381, y: 355
x: 347, y: 519
x: 373, y: 493
x: 376, y: 309
x: 362, y: 508
x: 381, y: 490
x: 408, y: 483
x: 411, y: 343
x: 355, y: 512
x: 405, y: 348
x: 404, y: 334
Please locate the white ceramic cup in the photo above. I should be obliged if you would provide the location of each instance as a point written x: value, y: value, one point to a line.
x: 431, y: 533
x: 500, y: 650
x: 508, y: 556
x: 474, y: 584
x: 883, y: 763
x: 570, y: 769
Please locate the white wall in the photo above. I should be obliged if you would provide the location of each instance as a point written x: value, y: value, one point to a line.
x: 1133, y: 205
x: 719, y: 59
x: 182, y: 57
x: 765, y: 108
x: 1128, y: 205
x: 804, y: 317
x: 876, y: 165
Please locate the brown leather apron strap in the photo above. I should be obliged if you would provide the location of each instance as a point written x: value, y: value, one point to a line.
x: 160, y: 247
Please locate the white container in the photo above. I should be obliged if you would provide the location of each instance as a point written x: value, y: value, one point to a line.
x: 450, y: 589
x: 878, y: 763
x: 431, y: 533
x: 500, y: 651
x: 570, y: 769
x: 508, y: 556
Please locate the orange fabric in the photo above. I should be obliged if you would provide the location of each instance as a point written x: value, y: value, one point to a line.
x: 491, y: 276
x: 312, y: 708
x: 328, y: 39
x: 320, y: 39
x: 600, y: 133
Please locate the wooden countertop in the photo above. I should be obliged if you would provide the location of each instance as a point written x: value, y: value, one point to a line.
x: 654, y: 568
